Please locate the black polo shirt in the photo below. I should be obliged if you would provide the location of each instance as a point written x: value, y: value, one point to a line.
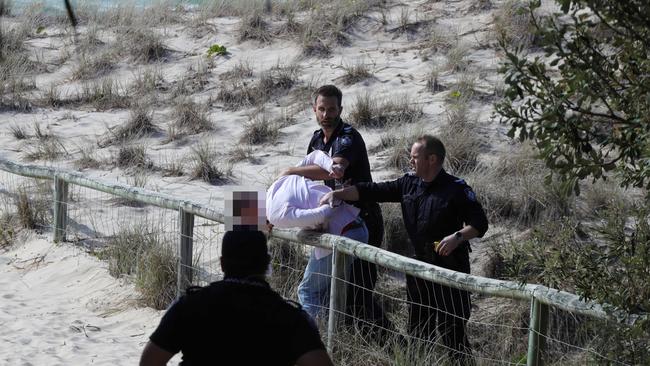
x: 236, y: 322
x: 346, y: 142
x: 431, y: 211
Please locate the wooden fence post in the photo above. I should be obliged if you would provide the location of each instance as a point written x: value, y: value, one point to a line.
x: 337, y: 295
x: 60, y: 209
x: 537, y: 332
x: 186, y: 245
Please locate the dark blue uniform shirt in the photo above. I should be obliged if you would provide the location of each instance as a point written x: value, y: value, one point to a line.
x: 346, y: 142
x: 431, y: 210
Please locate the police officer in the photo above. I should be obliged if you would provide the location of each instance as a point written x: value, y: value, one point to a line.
x: 440, y: 214
x: 348, y: 150
x: 239, y: 320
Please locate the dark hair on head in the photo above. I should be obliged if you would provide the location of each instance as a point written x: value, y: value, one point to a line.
x: 433, y: 145
x: 328, y: 91
x: 244, y: 253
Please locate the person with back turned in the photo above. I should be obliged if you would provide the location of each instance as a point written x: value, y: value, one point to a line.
x: 441, y: 214
x: 239, y: 320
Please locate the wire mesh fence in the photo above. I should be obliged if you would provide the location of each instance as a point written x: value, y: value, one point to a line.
x: 141, y: 241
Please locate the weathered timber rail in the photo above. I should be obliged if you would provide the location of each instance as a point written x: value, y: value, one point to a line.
x: 541, y: 297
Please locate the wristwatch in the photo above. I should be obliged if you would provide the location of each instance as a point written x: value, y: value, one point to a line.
x: 458, y: 235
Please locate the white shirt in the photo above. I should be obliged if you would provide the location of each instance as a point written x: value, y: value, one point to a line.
x: 294, y: 201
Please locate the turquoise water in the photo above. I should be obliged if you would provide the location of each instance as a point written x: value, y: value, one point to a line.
x: 59, y: 4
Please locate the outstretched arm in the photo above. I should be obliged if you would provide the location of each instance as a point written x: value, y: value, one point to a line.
x: 317, y: 172
x: 350, y: 193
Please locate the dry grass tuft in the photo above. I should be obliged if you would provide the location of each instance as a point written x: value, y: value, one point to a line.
x: 18, y: 132
x: 462, y: 141
x: 104, y: 94
x: 513, y: 24
x: 191, y: 117
x: 140, y: 124
x: 96, y: 65
x: 204, y: 166
x: 132, y: 156
x: 254, y: 27
x: 260, y: 130
x: 87, y: 159
x: 288, y: 261
x: 356, y: 72
x: 240, y: 71
x: 273, y: 83
x: 142, y: 253
x: 33, y: 209
x: 514, y: 188
x: 143, y: 44
x: 368, y: 111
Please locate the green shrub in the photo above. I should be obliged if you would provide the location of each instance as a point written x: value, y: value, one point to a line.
x: 217, y: 50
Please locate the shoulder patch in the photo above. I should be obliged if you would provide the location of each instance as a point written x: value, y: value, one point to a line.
x: 460, y: 181
x: 346, y: 140
x: 470, y: 194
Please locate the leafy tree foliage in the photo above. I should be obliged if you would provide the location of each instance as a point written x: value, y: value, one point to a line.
x: 584, y: 98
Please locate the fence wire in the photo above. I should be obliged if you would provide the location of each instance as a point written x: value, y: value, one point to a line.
x: 141, y: 241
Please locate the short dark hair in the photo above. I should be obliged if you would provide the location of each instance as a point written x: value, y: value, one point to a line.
x: 433, y: 146
x: 329, y: 91
x: 244, y: 253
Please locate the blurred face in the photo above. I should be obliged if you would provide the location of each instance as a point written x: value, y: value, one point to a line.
x: 327, y: 112
x: 423, y: 164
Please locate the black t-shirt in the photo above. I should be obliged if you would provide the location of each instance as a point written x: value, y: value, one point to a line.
x: 346, y: 142
x: 236, y: 322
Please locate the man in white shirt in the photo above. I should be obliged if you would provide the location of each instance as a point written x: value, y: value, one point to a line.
x: 294, y: 201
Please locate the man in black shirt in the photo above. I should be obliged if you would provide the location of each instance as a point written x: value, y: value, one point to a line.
x: 239, y: 320
x: 348, y: 150
x: 440, y: 214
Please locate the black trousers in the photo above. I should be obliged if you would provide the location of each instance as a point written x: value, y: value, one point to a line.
x: 363, y: 308
x: 441, y: 312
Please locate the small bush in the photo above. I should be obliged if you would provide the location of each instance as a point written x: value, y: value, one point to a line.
x: 204, y: 166
x: 217, y: 50
x: 147, y: 81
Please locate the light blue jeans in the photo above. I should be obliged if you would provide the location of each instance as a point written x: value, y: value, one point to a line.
x: 314, y: 290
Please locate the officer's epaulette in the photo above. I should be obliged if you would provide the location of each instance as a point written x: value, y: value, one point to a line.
x: 294, y: 304
x: 410, y: 174
x: 193, y: 289
x: 347, y: 129
x: 460, y: 181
